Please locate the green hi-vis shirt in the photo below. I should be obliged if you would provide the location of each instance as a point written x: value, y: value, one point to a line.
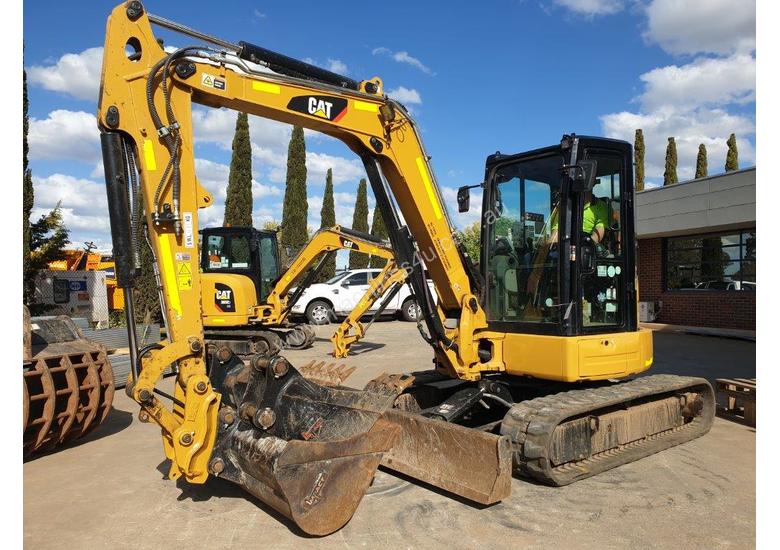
x: 595, y: 213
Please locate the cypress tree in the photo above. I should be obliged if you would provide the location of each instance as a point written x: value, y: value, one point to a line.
x: 238, y: 204
x: 732, y: 158
x: 670, y: 173
x: 145, y: 296
x: 358, y: 260
x: 639, y: 159
x: 27, y: 194
x: 296, y: 208
x: 379, y: 231
x: 701, y: 162
x: 328, y: 219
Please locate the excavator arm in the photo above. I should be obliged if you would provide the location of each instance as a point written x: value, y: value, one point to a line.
x: 325, y: 241
x: 351, y: 329
x: 311, y: 451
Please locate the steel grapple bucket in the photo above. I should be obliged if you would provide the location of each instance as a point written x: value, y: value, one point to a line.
x: 309, y: 451
x: 68, y: 384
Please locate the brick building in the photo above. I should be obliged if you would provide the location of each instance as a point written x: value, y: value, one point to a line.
x: 697, y: 251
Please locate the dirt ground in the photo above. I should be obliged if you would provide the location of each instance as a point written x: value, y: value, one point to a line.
x: 110, y: 490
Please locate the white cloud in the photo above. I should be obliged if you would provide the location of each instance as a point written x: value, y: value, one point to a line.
x: 65, y: 135
x: 317, y: 164
x: 403, y: 57
x: 702, y: 26
x: 75, y: 193
x: 83, y: 205
x: 76, y: 74
x: 689, y: 128
x: 258, y: 14
x: 337, y: 66
x: 405, y: 95
x: 702, y: 82
x: 219, y: 125
x: 589, y: 8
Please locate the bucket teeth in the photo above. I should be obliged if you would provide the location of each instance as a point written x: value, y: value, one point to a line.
x: 331, y: 374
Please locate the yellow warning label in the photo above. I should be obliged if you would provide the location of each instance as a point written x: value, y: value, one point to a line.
x: 184, y: 276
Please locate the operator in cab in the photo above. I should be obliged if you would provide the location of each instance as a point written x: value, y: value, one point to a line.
x: 595, y: 222
x: 595, y: 219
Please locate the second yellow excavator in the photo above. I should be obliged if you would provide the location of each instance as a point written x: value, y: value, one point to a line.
x: 534, y: 353
x: 247, y: 298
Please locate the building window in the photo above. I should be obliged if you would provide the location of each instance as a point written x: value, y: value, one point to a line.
x: 712, y: 262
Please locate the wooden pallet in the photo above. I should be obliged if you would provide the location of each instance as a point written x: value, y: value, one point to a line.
x: 741, y: 399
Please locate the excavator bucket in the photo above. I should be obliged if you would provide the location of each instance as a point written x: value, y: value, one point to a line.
x: 309, y: 451
x: 68, y: 383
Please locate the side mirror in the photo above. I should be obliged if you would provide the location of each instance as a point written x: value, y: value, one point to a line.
x: 345, y: 284
x: 584, y: 175
x: 464, y: 198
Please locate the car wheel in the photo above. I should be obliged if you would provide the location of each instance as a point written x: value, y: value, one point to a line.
x: 410, y: 311
x: 319, y: 312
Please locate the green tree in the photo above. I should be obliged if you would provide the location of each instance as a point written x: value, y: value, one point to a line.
x: 639, y: 159
x: 358, y: 260
x: 296, y: 208
x: 732, y: 157
x: 670, y: 172
x: 27, y: 194
x: 328, y: 219
x: 379, y: 231
x: 469, y: 237
x: 48, y: 237
x: 146, y: 298
x: 238, y: 204
x: 701, y: 162
x: 271, y: 225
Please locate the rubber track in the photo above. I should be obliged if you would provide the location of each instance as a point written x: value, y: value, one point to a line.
x: 531, y: 424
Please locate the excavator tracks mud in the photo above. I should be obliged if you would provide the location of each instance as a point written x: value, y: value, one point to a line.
x: 68, y: 384
x: 565, y: 437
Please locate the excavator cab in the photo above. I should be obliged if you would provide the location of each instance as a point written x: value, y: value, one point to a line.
x: 551, y: 239
x: 243, y: 251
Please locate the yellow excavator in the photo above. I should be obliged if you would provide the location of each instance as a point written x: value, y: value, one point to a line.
x: 247, y: 301
x: 351, y: 330
x: 534, y: 352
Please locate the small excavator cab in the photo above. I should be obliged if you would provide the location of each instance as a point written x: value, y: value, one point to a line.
x: 552, y: 237
x: 242, y: 251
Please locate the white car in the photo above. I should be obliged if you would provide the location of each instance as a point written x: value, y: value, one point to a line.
x: 322, y: 303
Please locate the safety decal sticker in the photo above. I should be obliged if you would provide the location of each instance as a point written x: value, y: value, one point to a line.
x: 189, y: 241
x: 184, y: 276
x: 212, y: 81
x: 320, y: 106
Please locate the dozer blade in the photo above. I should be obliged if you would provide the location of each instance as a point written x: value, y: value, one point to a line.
x: 308, y: 451
x: 470, y: 463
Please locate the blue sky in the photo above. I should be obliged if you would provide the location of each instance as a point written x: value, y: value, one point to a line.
x: 505, y: 75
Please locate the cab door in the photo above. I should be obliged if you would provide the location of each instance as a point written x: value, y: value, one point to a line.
x: 605, y: 266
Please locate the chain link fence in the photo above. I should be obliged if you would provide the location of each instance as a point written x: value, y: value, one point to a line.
x: 73, y: 293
